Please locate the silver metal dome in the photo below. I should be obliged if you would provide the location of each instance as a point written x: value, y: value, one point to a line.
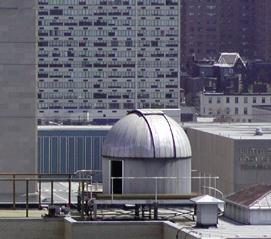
x: 146, y: 134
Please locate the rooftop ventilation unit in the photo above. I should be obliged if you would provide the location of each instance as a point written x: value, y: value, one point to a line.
x: 206, y: 210
x: 258, y: 131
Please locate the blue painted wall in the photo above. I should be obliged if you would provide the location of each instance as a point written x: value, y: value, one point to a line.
x: 67, y: 149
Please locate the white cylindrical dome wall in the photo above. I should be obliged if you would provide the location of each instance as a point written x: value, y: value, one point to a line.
x: 147, y: 144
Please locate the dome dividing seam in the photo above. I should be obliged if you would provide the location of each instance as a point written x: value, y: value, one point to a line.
x: 152, y: 139
x: 173, y: 140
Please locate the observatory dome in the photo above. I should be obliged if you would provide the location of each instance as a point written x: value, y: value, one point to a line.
x: 146, y: 134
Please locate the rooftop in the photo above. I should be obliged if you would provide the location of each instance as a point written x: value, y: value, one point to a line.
x: 206, y: 199
x: 229, y: 229
x: 227, y: 59
x: 73, y: 127
x: 234, y: 94
x: 234, y: 130
x: 256, y: 196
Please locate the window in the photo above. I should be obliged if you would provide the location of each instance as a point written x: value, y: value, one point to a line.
x: 254, y: 100
x: 218, y: 100
x: 210, y: 100
x: 210, y: 111
x: 236, y: 111
x: 236, y: 100
x: 245, y: 111
x: 228, y: 111
x: 263, y: 100
x: 227, y: 100
x: 245, y: 100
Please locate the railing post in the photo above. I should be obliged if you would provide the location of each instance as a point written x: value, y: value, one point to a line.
x: 215, y: 185
x: 210, y: 184
x: 69, y: 196
x: 112, y: 189
x: 204, y: 186
x: 14, y: 191
x: 199, y: 182
x: 39, y: 192
x: 52, y: 192
x: 27, y: 199
x: 82, y: 200
x: 155, y: 211
x: 156, y: 189
x: 90, y: 186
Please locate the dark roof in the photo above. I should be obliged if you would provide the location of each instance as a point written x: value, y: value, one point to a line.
x: 248, y: 196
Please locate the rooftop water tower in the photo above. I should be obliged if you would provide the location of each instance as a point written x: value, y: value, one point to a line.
x: 141, y: 146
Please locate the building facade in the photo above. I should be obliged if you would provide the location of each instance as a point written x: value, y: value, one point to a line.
x: 233, y: 107
x: 233, y: 152
x: 97, y: 59
x: 263, y: 30
x: 200, y: 30
x: 18, y: 89
x: 211, y: 27
x: 66, y: 149
x: 237, y: 27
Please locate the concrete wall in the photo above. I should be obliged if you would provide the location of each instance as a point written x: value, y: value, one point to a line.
x: 172, y: 231
x: 31, y: 228
x: 152, y: 168
x: 126, y: 230
x: 108, y: 230
x: 70, y: 229
x: 252, y: 162
x: 213, y: 154
x: 17, y: 88
x: 238, y: 162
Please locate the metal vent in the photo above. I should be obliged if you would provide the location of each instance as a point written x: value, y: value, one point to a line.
x: 258, y: 131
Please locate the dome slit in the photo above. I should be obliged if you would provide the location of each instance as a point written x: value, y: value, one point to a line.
x: 173, y: 139
x: 152, y: 139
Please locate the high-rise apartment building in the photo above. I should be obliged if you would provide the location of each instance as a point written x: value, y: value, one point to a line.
x: 237, y: 27
x: 210, y: 27
x: 263, y: 30
x: 98, y: 59
x: 200, y: 29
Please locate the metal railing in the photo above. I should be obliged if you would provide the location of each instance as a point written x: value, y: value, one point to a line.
x: 11, y: 179
x: 210, y: 181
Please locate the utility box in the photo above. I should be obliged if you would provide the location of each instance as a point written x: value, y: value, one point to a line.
x: 206, y: 210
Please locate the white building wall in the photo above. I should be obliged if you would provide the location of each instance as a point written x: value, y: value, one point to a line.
x: 248, y: 216
x: 138, y: 168
x: 237, y: 108
x: 260, y: 217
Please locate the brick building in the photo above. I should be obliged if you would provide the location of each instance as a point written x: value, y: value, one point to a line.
x: 210, y: 27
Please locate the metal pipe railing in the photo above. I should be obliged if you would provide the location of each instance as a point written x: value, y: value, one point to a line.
x: 14, y: 190
x: 27, y: 199
x: 39, y: 179
x: 200, y: 178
